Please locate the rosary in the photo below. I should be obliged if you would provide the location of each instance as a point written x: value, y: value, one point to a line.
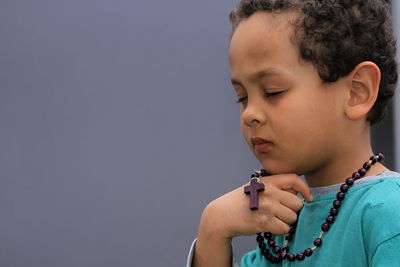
x: 275, y: 254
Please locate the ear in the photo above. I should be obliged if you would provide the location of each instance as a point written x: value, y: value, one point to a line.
x: 363, y: 88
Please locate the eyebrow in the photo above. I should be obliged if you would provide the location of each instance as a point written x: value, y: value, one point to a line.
x: 258, y: 75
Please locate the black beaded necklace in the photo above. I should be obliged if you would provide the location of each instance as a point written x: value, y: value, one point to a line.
x: 282, y: 253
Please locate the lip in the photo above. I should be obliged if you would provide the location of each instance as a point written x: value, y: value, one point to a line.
x: 260, y: 144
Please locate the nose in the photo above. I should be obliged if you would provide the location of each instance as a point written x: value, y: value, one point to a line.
x: 253, y: 114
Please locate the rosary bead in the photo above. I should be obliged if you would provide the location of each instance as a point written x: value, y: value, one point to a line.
x: 373, y: 159
x: 276, y: 260
x: 334, y: 212
x: 277, y: 250
x: 292, y: 230
x: 291, y: 257
x: 268, y: 235
x: 330, y: 219
x: 289, y: 237
x: 318, y: 242
x: 308, y: 252
x: 260, y: 239
x: 300, y: 256
x: 264, y: 172
x: 262, y: 245
x: 283, y: 255
x: 271, y: 243
x: 381, y: 157
x: 336, y: 204
x: 325, y: 227
x: 344, y: 188
x: 285, y: 249
x: 264, y: 252
x: 349, y: 181
x: 273, y: 260
x: 270, y: 257
x: 255, y: 175
x: 367, y: 165
x: 356, y: 175
x: 362, y: 171
x: 340, y: 196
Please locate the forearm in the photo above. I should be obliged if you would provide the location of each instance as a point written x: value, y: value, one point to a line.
x: 211, y: 252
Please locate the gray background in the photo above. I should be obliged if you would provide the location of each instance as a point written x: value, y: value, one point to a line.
x: 118, y: 125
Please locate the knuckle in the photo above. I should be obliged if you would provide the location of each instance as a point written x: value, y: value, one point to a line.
x: 292, y: 218
x: 269, y: 190
x: 267, y: 205
x: 262, y: 221
x: 284, y: 229
x: 297, y: 204
x: 267, y: 186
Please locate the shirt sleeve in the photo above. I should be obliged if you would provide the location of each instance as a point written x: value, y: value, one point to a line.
x: 191, y: 254
x: 387, y: 253
x: 192, y: 250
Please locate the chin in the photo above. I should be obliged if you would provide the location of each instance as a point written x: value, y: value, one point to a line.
x: 275, y: 167
x: 272, y: 168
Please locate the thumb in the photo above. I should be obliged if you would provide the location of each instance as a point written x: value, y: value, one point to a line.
x: 292, y: 191
x: 292, y: 183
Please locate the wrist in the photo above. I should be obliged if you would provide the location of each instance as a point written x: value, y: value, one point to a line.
x: 212, y: 227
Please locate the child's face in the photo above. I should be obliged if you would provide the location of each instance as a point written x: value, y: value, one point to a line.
x: 305, y: 120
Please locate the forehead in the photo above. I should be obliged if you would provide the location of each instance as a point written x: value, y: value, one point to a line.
x: 263, y: 40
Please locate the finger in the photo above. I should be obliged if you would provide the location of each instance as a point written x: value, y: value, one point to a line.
x: 282, y: 197
x: 285, y: 214
x: 290, y: 201
x: 291, y: 191
x: 290, y: 182
x: 277, y: 227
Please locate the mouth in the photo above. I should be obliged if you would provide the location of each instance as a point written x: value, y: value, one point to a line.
x: 260, y: 144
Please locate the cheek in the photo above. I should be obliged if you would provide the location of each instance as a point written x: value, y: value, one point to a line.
x: 300, y: 124
x: 312, y: 124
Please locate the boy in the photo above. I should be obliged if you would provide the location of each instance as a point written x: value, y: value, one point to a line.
x: 311, y: 78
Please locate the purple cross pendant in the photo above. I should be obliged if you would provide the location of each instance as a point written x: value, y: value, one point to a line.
x: 253, y: 189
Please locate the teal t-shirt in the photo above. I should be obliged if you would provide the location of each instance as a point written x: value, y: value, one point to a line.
x: 366, y: 231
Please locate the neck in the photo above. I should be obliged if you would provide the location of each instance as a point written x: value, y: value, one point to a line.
x: 346, y: 162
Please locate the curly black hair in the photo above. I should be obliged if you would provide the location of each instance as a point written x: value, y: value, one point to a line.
x: 337, y: 35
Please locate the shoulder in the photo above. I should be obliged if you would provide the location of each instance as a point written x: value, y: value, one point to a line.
x: 380, y: 205
x: 385, y: 191
x: 382, y: 198
x: 378, y: 195
x: 380, y: 212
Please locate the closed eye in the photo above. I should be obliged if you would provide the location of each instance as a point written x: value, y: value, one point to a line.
x: 273, y: 94
x: 240, y: 100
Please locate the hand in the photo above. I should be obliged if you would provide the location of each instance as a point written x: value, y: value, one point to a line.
x: 230, y: 216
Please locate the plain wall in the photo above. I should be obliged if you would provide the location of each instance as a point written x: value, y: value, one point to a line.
x: 118, y: 124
